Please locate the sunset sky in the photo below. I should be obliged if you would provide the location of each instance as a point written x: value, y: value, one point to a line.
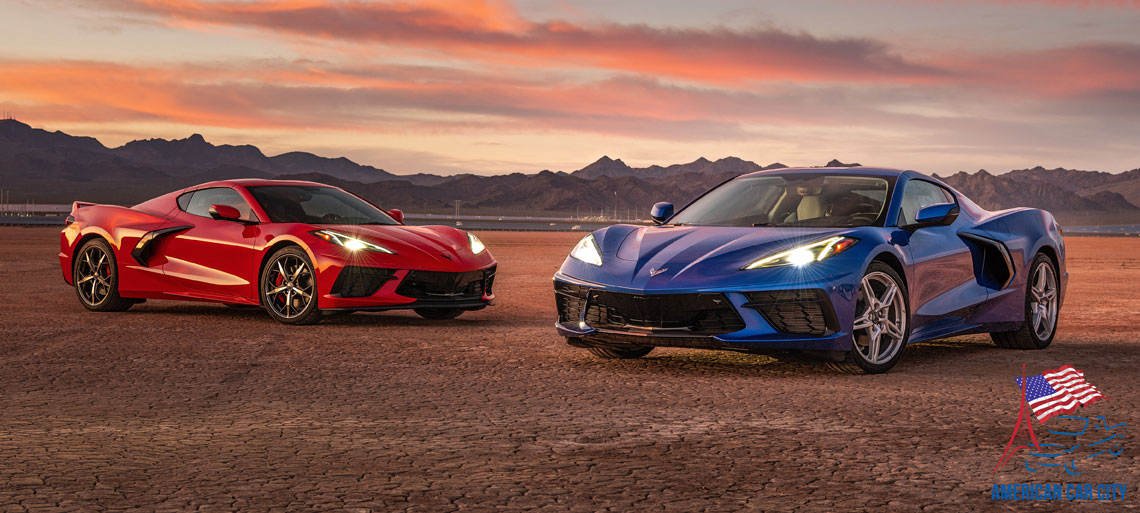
x: 497, y: 86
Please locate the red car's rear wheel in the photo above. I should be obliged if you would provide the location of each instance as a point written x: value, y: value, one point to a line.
x: 96, y: 278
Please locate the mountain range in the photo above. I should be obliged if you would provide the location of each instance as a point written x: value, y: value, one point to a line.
x: 55, y: 167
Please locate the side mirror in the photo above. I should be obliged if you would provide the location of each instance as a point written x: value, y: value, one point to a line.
x: 225, y: 213
x: 940, y: 214
x: 396, y: 214
x: 661, y: 211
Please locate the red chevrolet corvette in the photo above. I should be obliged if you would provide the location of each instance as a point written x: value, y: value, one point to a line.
x: 296, y: 248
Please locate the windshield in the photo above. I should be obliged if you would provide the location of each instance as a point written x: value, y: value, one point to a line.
x: 792, y: 199
x: 316, y: 205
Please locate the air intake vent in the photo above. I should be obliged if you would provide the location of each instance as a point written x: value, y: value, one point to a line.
x: 993, y: 267
x: 798, y: 312
x: 354, y: 281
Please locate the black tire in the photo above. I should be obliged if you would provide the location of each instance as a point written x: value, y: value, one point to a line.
x: 95, y: 276
x: 284, y: 306
x: 439, y: 314
x: 855, y: 362
x: 614, y: 353
x: 1026, y: 336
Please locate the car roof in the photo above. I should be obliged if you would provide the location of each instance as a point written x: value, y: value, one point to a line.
x: 256, y: 182
x: 855, y: 171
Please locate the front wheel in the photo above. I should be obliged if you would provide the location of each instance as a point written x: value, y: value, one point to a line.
x: 289, y: 288
x: 96, y: 278
x: 1042, y: 304
x: 882, y: 323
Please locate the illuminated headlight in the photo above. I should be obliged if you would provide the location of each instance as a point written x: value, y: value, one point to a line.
x: 587, y: 251
x: 351, y: 243
x: 807, y: 254
x: 476, y: 244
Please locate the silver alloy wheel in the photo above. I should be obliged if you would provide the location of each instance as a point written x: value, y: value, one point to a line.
x: 880, y: 325
x: 1043, y: 300
x: 289, y: 286
x: 93, y: 275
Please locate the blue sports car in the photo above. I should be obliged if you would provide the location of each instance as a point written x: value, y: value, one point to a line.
x: 846, y: 264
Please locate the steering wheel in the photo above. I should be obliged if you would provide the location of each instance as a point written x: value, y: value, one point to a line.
x: 330, y: 218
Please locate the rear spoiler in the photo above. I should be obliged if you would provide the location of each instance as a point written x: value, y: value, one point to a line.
x: 75, y: 206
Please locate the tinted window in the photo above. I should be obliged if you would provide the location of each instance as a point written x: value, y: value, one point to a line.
x: 792, y: 199
x: 918, y: 195
x: 184, y: 200
x: 200, y: 202
x: 316, y: 205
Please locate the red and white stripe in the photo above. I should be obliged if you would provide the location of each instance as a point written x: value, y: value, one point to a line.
x: 1072, y: 391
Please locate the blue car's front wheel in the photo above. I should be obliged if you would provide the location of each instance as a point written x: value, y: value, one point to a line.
x: 882, y: 322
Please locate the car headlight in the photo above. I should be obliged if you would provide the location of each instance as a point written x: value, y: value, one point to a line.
x: 587, y: 251
x: 351, y: 243
x: 477, y: 245
x: 806, y: 254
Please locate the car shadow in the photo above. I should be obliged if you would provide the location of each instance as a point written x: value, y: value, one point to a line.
x: 258, y: 314
x: 930, y: 358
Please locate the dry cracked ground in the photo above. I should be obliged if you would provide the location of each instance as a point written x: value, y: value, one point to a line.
x: 195, y: 407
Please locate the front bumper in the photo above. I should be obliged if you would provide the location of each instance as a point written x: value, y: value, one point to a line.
x: 799, y: 315
x: 377, y: 288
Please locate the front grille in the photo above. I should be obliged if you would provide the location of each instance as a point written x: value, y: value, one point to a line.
x: 354, y: 281
x: 435, y: 284
x: 703, y: 314
x: 799, y: 312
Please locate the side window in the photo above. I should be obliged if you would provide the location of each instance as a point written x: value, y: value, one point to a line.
x: 184, y: 200
x: 920, y: 194
x: 199, y: 203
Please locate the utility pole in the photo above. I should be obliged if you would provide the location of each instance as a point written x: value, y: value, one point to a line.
x: 456, y: 210
x: 615, y: 205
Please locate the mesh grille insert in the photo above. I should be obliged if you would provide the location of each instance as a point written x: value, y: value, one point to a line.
x: 435, y: 284
x: 354, y: 281
x: 800, y: 312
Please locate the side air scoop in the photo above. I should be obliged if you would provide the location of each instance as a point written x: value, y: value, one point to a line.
x: 143, y: 249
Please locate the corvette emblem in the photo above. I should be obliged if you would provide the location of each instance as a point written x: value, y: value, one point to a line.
x: 655, y: 272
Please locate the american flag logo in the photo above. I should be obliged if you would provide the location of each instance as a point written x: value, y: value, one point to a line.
x: 1058, y: 391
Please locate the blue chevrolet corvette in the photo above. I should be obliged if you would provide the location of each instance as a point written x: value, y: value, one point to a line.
x: 846, y: 264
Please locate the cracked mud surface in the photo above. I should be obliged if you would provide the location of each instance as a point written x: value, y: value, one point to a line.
x: 182, y: 406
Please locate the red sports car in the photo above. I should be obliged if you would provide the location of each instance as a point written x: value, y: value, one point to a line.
x: 296, y: 248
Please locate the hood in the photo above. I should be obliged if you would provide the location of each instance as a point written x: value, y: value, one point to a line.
x: 665, y: 257
x: 430, y: 247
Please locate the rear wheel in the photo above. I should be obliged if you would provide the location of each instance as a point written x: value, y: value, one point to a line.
x: 96, y: 277
x: 619, y: 353
x: 1042, y: 304
x: 882, y: 323
x: 289, y: 288
x: 439, y: 314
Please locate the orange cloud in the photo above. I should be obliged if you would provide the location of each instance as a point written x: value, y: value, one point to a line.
x: 494, y: 32
x: 306, y: 94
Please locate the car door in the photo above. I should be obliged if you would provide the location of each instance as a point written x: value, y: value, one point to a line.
x: 942, y: 284
x: 213, y: 258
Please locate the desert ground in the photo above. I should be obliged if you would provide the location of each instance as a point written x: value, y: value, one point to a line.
x: 195, y: 407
